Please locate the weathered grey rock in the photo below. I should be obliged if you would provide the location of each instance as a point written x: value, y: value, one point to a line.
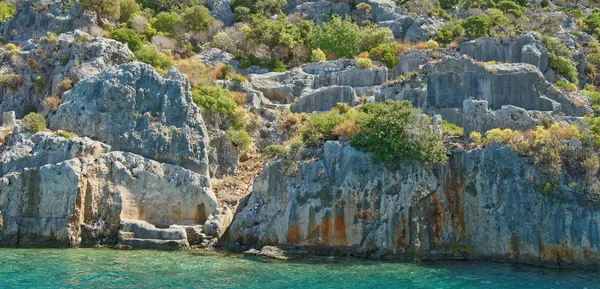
x: 30, y: 151
x: 412, y: 29
x: 323, y: 99
x: 83, y: 201
x: 319, y: 11
x: 67, y: 59
x: 410, y: 89
x: 134, y: 109
x: 477, y: 117
x: 9, y: 119
x: 220, y: 9
x: 35, y: 18
x: 343, y: 72
x: 483, y: 203
x: 142, y: 235
x: 214, y: 57
x: 282, y: 86
x: 452, y: 80
x: 527, y: 48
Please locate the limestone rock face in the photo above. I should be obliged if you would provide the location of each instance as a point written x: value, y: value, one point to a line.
x: 78, y: 60
x: 453, y: 80
x: 83, y: 201
x: 35, y: 18
x: 343, y: 72
x: 282, y: 86
x: 477, y: 117
x: 29, y: 151
x: 221, y: 10
x: 482, y: 203
x: 134, y: 109
x: 323, y: 99
x: 214, y: 57
x: 527, y: 48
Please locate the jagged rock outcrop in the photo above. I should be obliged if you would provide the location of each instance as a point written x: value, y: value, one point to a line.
x: 323, y: 99
x: 221, y: 10
x: 73, y: 57
x: 214, y: 57
x: 527, y: 48
x: 135, y: 109
x: 29, y: 151
x: 282, y: 86
x: 409, y: 89
x: 477, y: 117
x: 343, y: 72
x: 34, y: 19
x: 452, y: 80
x: 483, y: 203
x: 83, y: 201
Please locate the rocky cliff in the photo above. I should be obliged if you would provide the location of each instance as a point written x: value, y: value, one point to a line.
x: 484, y: 203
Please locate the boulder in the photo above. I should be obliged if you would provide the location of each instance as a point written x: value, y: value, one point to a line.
x: 527, y: 48
x: 343, y: 72
x: 83, y: 201
x: 282, y: 86
x: 221, y: 10
x: 28, y: 151
x: 323, y: 99
x: 477, y: 117
x: 214, y: 57
x: 135, y: 109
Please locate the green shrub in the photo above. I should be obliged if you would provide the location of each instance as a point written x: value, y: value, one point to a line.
x: 390, y: 60
x: 239, y: 138
x: 451, y: 129
x: 64, y: 60
x: 65, y: 134
x: 475, y: 137
x: 34, y: 122
x: 318, y: 128
x: 386, y: 53
x: 595, y: 99
x: 196, y: 19
x: 563, y: 67
x: 448, y: 4
x: 214, y: 98
x: 165, y: 22
x: 274, y: 151
x: 10, y: 46
x: 40, y: 83
x: 364, y: 63
x: 476, y: 26
x: 224, y: 71
x: 149, y: 54
x: 104, y: 9
x: 566, y: 85
x: 342, y: 37
x: 449, y: 32
x: 51, y: 38
x: 127, y: 35
x: 128, y: 8
x: 276, y: 65
x: 592, y: 23
x: 431, y: 44
x: 373, y: 36
x: 395, y: 131
x: 510, y: 7
x: 6, y: 11
x: 318, y: 55
x: 64, y: 85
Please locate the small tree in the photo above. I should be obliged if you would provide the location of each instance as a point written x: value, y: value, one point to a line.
x: 196, y: 19
x: 165, y: 22
x: 128, y: 9
x: 128, y: 36
x: 102, y: 8
x: 476, y: 26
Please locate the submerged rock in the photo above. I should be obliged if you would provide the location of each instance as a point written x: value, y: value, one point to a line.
x: 134, y: 109
x: 483, y: 203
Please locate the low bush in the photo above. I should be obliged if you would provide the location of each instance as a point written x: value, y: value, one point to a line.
x: 51, y: 103
x: 128, y: 36
x: 214, y: 98
x: 65, y: 134
x: 451, y: 129
x: 149, y: 54
x: 317, y: 55
x: 34, y: 122
x: 566, y: 85
x: 364, y: 63
x: 64, y: 85
x: 239, y: 138
x: 11, y: 80
x: 431, y: 44
x: 51, y: 38
x: 563, y: 67
x: 475, y: 137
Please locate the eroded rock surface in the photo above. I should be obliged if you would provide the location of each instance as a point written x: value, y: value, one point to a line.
x: 482, y: 203
x: 83, y: 201
x: 135, y: 109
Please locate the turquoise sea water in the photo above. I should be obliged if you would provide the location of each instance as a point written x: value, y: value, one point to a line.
x: 106, y: 268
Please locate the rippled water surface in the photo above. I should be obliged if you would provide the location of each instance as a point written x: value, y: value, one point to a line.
x: 106, y: 268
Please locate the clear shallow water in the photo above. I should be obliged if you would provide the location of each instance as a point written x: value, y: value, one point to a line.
x: 106, y: 268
